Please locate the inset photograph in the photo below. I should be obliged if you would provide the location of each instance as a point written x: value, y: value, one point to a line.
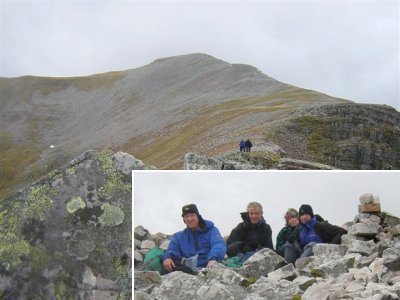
x: 266, y: 235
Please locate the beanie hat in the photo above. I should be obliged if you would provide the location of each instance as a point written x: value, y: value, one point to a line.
x: 190, y: 208
x: 306, y: 209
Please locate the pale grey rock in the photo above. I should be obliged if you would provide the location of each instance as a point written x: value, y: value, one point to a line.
x: 138, y: 256
x: 304, y: 282
x: 267, y: 288
x: 218, y: 290
x: 354, y: 287
x: 177, y: 285
x: 296, y: 164
x: 287, y: 272
x: 136, y: 244
x: 126, y: 163
x: 302, y: 263
x: 261, y: 263
x: 366, y: 248
x: 220, y: 273
x: 366, y: 198
x: 395, y: 230
x: 146, y: 281
x: 314, y: 292
x: 369, y: 230
x: 194, y: 161
x: 391, y: 258
x: 141, y: 233
x: 333, y: 268
x: 147, y: 244
x: 367, y: 218
x: 327, y: 249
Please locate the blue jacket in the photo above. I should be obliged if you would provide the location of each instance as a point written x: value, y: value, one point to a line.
x: 207, y: 243
x: 308, y: 233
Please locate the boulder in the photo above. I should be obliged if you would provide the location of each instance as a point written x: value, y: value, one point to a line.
x: 177, y: 285
x: 314, y: 292
x: 287, y: 272
x: 391, y: 258
x: 369, y: 230
x: 261, y: 263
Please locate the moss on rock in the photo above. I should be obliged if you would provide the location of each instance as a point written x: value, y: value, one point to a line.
x: 74, y: 204
x: 38, y: 201
x: 111, y: 216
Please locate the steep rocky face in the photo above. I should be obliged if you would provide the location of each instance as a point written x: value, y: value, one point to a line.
x: 346, y: 136
x: 366, y: 265
x: 68, y: 236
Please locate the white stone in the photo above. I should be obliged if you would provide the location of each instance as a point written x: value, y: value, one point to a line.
x: 314, y: 292
x: 366, y: 198
x: 147, y: 244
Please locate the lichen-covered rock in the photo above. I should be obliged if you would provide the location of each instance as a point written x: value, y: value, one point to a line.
x: 69, y: 233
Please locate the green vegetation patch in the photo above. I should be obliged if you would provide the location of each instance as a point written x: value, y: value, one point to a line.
x: 38, y: 201
x: 74, y: 204
x: 115, y: 180
x: 112, y: 215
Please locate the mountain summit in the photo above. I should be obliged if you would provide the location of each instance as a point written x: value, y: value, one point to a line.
x: 158, y: 112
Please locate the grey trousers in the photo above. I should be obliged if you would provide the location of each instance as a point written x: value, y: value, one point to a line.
x: 293, y: 251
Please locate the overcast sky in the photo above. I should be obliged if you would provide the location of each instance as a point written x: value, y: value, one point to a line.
x: 345, y: 48
x: 221, y: 196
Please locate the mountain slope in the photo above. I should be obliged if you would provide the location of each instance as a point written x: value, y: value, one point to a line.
x: 158, y: 112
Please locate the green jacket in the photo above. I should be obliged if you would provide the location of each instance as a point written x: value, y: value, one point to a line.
x: 283, y: 236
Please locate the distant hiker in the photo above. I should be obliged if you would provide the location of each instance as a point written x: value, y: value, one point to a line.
x: 197, y: 246
x: 248, y: 145
x: 252, y: 234
x: 314, y: 231
x: 242, y: 146
x: 289, y: 236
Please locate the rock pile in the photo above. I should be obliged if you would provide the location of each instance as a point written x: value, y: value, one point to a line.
x: 366, y: 265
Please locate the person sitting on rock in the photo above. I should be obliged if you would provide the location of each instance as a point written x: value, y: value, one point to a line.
x: 315, y: 230
x: 289, y: 236
x: 252, y: 234
x: 242, y: 146
x: 199, y: 245
x: 248, y: 145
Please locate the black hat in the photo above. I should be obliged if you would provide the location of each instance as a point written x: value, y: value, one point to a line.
x: 306, y: 209
x: 190, y: 208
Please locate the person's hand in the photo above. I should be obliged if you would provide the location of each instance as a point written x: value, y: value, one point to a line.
x: 168, y: 264
x: 210, y: 263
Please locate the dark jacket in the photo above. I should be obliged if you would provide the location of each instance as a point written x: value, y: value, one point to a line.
x: 207, y: 242
x: 255, y: 236
x: 287, y: 233
x: 327, y: 232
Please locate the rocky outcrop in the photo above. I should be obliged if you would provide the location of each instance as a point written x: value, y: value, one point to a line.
x: 255, y: 160
x: 67, y: 236
x: 365, y: 266
x: 346, y: 136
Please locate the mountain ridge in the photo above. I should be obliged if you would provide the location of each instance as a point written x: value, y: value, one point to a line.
x: 157, y: 112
